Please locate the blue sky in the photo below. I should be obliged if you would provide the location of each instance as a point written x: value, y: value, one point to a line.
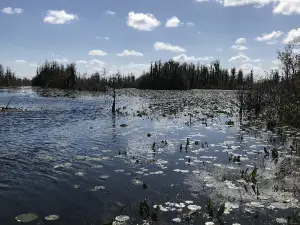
x: 127, y: 35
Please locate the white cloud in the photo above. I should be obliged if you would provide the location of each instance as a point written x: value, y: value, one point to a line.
x: 271, y: 42
x: 61, y: 60
x: 135, y: 68
x: 257, y: 71
x: 81, y: 62
x: 10, y: 10
x: 257, y: 60
x: 284, y: 7
x: 293, y: 37
x: 168, y: 47
x: 185, y: 58
x: 240, y: 41
x: 105, y: 38
x: 287, y: 7
x: 96, y: 62
x: 129, y: 53
x: 59, y: 17
x: 239, y: 47
x: 239, y: 58
x: 190, y: 24
x: 33, y: 65
x: 97, y: 53
x: 20, y: 61
x: 142, y: 22
x: 296, y: 51
x: 173, y: 22
x: 269, y: 37
x: 110, y: 12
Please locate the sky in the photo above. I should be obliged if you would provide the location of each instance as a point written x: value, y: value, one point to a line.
x: 127, y: 35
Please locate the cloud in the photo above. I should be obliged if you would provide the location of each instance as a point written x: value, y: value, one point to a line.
x: 287, y: 7
x: 110, y: 12
x: 271, y: 42
x: 239, y: 47
x: 129, y: 53
x: 292, y: 37
x: 61, y: 60
x: 96, y: 62
x: 59, y: 17
x: 239, y: 58
x: 247, y: 67
x: 269, y: 37
x: 240, y: 41
x: 33, y: 65
x: 190, y: 24
x: 296, y: 51
x: 168, y: 47
x: 105, y: 38
x: 135, y: 68
x: 185, y: 58
x: 284, y: 7
x: 10, y: 10
x: 142, y: 22
x: 20, y: 61
x: 81, y: 62
x: 173, y: 22
x: 97, y: 53
x: 256, y: 60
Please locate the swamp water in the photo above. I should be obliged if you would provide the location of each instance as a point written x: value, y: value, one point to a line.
x: 166, y: 157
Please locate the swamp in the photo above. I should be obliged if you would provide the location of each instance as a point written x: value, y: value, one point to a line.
x: 164, y: 157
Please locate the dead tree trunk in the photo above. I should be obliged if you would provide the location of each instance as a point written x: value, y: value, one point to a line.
x: 113, y: 109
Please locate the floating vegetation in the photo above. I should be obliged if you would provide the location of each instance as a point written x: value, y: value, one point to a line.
x: 230, y: 123
x: 122, y: 218
x: 80, y: 174
x: 103, y: 177
x: 177, y: 220
x: 194, y: 207
x: 25, y: 218
x: 137, y: 181
x: 52, y: 217
x: 97, y: 188
x: 63, y: 165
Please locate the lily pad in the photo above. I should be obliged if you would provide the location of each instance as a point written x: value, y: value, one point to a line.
x: 25, y: 218
x: 52, y: 217
x: 137, y: 181
x: 103, y: 177
x: 122, y: 218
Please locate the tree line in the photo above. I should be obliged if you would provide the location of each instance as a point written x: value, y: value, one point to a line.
x: 55, y: 75
x: 182, y: 76
x: 8, y: 78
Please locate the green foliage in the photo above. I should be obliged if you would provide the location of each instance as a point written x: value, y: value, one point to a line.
x: 276, y: 98
x: 230, y: 123
x: 210, y: 208
x: 144, y: 209
x: 221, y: 210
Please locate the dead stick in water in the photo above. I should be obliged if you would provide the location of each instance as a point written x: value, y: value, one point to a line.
x: 9, y: 102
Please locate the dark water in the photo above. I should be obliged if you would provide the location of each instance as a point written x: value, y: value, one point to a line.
x: 53, y: 152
